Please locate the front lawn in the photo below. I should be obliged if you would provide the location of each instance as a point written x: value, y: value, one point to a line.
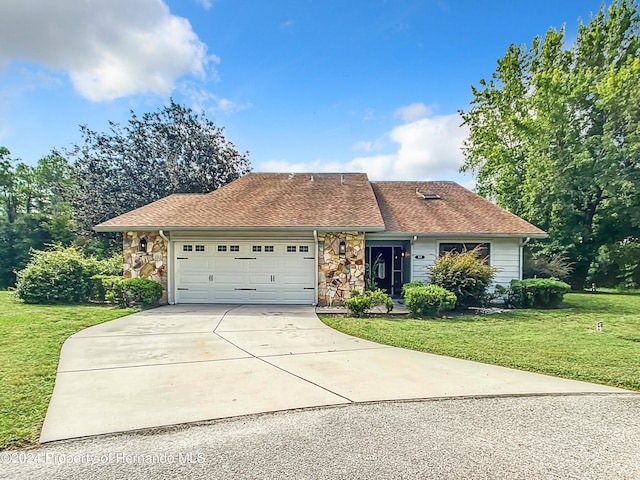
x: 563, y: 342
x: 30, y: 341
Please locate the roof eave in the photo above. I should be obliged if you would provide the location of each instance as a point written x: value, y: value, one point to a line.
x: 467, y: 234
x: 144, y: 228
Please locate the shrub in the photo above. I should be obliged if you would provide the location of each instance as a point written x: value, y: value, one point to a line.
x: 142, y: 291
x: 409, y: 285
x: 464, y: 274
x: 428, y: 300
x: 536, y: 292
x: 359, y: 303
x: 128, y: 292
x: 58, y: 275
x: 554, y: 265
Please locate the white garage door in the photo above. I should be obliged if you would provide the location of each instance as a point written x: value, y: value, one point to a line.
x: 260, y: 271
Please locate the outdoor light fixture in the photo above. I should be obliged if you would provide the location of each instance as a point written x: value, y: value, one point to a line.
x: 143, y: 245
x: 342, y: 249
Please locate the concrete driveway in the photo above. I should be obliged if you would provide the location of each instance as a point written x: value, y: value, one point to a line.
x: 187, y: 363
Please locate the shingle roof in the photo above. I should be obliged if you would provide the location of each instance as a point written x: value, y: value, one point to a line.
x: 325, y: 201
x: 319, y: 200
x: 456, y: 211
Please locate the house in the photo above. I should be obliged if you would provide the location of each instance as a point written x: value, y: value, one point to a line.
x: 307, y: 238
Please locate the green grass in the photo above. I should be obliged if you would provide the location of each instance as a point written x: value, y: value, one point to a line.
x: 30, y: 341
x: 562, y: 342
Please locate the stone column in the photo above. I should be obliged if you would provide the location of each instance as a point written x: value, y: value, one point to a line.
x: 150, y: 262
x: 339, y: 273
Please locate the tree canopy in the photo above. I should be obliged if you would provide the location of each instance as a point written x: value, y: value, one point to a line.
x: 34, y: 212
x: 555, y: 135
x: 172, y: 150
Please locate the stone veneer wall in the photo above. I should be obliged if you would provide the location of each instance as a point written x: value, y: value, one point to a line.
x: 338, y: 274
x: 150, y: 264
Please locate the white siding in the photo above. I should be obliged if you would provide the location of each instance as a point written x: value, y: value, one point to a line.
x: 428, y: 249
x: 505, y: 256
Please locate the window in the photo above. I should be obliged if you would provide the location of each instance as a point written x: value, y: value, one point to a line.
x: 199, y: 248
x: 291, y: 248
x: 268, y: 248
x: 256, y: 248
x: 304, y: 249
x: 234, y: 248
x: 483, y: 252
x: 222, y: 248
x: 187, y: 248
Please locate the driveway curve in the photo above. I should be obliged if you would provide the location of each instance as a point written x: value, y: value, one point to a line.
x: 189, y: 363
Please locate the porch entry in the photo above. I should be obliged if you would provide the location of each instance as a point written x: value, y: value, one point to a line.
x: 386, y: 266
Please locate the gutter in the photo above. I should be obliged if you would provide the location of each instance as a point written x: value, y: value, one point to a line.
x: 316, y: 275
x: 521, y: 259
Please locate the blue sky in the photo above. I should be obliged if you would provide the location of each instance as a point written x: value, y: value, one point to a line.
x: 303, y: 85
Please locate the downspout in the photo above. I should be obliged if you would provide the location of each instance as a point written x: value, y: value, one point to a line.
x: 521, y: 260
x: 170, y: 292
x: 315, y: 237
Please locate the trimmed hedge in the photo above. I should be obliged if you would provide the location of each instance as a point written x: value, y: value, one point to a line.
x: 127, y: 292
x: 360, y: 303
x: 536, y: 292
x: 428, y: 300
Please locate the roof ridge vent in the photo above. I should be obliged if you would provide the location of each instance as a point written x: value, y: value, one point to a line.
x: 427, y: 195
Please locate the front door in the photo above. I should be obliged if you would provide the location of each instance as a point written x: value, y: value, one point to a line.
x: 385, y: 265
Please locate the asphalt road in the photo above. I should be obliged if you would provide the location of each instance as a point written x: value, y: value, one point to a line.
x: 594, y: 436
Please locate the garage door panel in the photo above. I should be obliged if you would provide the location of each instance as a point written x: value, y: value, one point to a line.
x: 230, y: 279
x: 193, y: 278
x: 301, y: 279
x: 255, y: 272
x: 193, y: 295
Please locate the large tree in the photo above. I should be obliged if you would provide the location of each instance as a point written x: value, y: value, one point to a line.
x: 555, y: 134
x: 172, y: 150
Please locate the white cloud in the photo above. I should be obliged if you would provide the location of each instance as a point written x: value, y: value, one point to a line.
x: 427, y: 149
x: 206, y: 4
x: 363, y: 146
x: 109, y: 49
x: 414, y: 111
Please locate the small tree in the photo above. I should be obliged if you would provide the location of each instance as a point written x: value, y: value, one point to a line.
x: 465, y: 274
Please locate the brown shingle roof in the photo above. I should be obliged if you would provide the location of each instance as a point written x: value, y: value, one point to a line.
x: 457, y: 211
x: 319, y: 200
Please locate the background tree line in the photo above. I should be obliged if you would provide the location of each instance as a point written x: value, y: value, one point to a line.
x: 61, y: 198
x: 555, y: 138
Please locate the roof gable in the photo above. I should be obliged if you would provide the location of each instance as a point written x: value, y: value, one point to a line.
x: 266, y: 200
x: 445, y: 208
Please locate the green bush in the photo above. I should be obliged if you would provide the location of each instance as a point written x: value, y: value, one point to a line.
x: 359, y: 303
x: 128, y: 292
x: 409, y: 285
x: 59, y: 275
x: 536, y: 292
x: 428, y: 300
x: 142, y: 291
x: 102, y: 286
x: 464, y: 274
